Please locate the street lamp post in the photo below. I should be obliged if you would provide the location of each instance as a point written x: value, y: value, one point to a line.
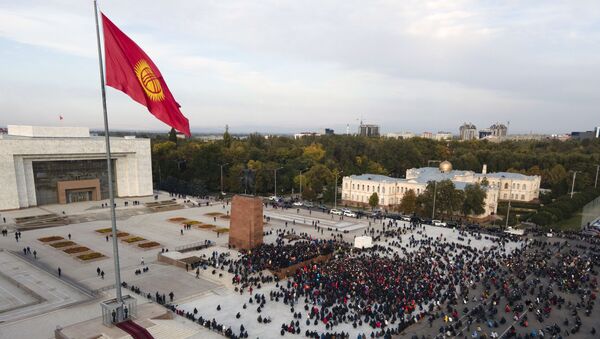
x: 508, y: 209
x: 596, y: 181
x: 335, y: 196
x: 434, y: 195
x: 222, y: 176
x: 301, y: 171
x: 275, y: 170
x: 573, y: 184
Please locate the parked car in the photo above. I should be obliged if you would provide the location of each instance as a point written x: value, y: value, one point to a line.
x: 415, y: 219
x: 438, y: 223
x: 335, y: 211
x: 273, y: 198
x: 297, y: 203
x: 394, y: 216
x: 405, y: 218
x: 308, y: 204
x: 376, y: 214
x: 452, y: 223
x: 348, y: 213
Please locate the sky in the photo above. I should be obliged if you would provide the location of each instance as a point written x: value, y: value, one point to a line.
x: 291, y: 66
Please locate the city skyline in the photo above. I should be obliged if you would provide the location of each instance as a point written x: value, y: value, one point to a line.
x: 418, y: 66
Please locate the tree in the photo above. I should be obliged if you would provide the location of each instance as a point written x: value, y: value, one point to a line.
x: 226, y: 137
x: 448, y: 199
x: 474, y: 202
x: 408, y: 204
x: 374, y: 200
x: 173, y: 136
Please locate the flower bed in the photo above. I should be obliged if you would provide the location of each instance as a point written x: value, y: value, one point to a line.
x: 191, y: 222
x: 221, y: 230
x: 206, y: 226
x: 133, y: 239
x: 52, y: 238
x: 61, y: 244
x: 213, y: 214
x: 90, y: 256
x: 104, y: 230
x: 122, y: 234
x: 176, y: 219
x: 77, y: 249
x: 149, y: 244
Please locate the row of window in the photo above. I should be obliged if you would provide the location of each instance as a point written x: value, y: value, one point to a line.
x: 513, y: 196
x: 363, y: 198
x: 399, y: 189
x: 369, y: 188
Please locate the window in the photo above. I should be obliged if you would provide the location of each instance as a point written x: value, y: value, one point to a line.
x: 524, y: 187
x: 377, y: 189
x: 513, y: 185
x: 352, y: 186
x: 504, y: 195
x: 367, y: 188
x: 383, y: 190
x: 382, y: 200
x: 522, y: 196
x: 518, y: 186
x: 505, y: 185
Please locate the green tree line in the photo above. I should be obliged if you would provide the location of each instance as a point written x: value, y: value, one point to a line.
x: 313, y: 162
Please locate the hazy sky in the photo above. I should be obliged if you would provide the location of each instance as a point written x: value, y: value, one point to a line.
x: 286, y: 66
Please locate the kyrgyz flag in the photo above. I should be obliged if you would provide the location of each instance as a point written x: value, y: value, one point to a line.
x: 130, y: 70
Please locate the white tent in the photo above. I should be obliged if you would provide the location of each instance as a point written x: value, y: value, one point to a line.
x: 363, y: 242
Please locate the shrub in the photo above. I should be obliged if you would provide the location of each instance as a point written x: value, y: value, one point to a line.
x: 213, y: 214
x: 133, y: 239
x: 77, y: 249
x: 149, y: 244
x: 52, y: 238
x: 104, y: 230
x: 221, y: 230
x: 61, y: 244
x: 122, y: 234
x: 206, y: 226
x: 90, y: 256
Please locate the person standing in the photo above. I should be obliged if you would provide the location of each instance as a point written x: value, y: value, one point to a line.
x: 142, y: 261
x: 59, y: 272
x: 34, y: 254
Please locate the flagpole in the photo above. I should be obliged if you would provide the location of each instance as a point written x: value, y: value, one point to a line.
x: 111, y: 194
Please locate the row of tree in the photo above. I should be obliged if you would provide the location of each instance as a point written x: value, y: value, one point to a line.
x: 563, y: 208
x: 448, y: 202
x: 320, y: 158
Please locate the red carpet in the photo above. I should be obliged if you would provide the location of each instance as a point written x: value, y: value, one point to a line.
x: 135, y: 330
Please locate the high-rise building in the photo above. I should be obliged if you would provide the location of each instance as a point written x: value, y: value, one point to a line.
x: 499, y: 130
x: 483, y: 133
x: 441, y: 135
x: 367, y: 130
x: 467, y: 131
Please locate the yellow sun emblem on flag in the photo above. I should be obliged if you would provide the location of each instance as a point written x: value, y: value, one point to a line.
x: 149, y: 81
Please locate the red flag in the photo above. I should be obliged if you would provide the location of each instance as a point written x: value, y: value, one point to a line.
x: 131, y: 71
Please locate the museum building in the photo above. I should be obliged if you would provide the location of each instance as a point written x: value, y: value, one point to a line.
x: 58, y: 165
x: 507, y: 186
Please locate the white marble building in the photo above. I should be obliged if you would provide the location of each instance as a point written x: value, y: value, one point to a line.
x: 357, y: 189
x: 42, y: 165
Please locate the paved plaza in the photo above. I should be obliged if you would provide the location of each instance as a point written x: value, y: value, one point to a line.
x: 31, y: 288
